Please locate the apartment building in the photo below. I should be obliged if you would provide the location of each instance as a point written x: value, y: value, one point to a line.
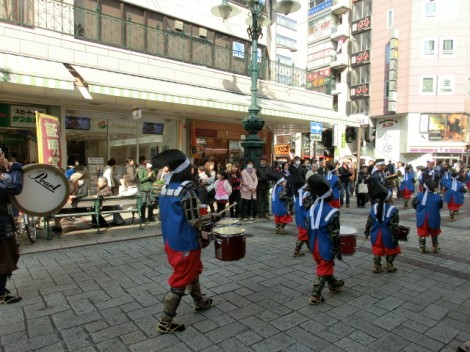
x: 419, y: 82
x: 142, y: 76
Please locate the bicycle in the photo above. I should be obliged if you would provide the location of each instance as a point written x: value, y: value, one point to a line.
x: 26, y: 223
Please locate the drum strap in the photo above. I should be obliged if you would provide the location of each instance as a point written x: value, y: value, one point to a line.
x: 389, y: 212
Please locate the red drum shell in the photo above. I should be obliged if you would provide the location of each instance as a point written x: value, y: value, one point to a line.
x: 403, y: 232
x: 203, y: 209
x: 347, y: 236
x: 230, y: 243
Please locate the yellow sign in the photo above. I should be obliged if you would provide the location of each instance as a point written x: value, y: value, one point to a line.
x: 281, y: 149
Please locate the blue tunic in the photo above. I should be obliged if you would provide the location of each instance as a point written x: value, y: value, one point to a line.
x: 333, y: 182
x: 446, y: 179
x: 456, y: 196
x: 432, y: 209
x: 407, y: 182
x: 176, y: 230
x: 278, y: 207
x: 325, y: 245
x: 389, y: 211
x: 300, y: 211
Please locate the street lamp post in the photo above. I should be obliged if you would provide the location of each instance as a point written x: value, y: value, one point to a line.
x: 253, y: 145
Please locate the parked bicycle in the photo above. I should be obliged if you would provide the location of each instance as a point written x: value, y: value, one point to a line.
x: 28, y: 224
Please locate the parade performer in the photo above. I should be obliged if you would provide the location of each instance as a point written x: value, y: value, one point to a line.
x: 428, y: 217
x: 453, y: 195
x: 323, y: 232
x: 335, y: 184
x: 280, y: 203
x: 180, y: 221
x: 407, y: 186
x: 382, y: 227
x: 9, y: 254
x: 301, y: 219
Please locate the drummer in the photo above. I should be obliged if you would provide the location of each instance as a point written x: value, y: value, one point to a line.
x: 280, y: 206
x: 178, y: 206
x: 382, y: 226
x: 323, y: 232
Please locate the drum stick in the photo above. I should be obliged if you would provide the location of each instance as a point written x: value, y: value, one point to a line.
x: 345, y: 263
x: 223, y: 211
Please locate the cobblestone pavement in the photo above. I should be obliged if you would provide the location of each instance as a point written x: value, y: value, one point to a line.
x: 103, y: 294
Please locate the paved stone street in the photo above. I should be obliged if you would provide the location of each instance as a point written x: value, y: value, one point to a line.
x: 103, y: 293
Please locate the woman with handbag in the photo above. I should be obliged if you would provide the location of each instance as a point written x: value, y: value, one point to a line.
x: 362, y: 188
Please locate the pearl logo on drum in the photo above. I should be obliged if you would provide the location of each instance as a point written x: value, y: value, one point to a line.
x: 41, y: 179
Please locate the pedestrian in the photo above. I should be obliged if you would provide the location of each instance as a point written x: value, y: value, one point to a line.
x: 407, y: 186
x: 280, y: 206
x: 361, y: 188
x: 235, y: 179
x: 344, y: 173
x: 335, y: 184
x: 312, y: 171
x: 428, y: 217
x: 223, y: 189
x: 108, y: 172
x: 146, y: 177
x: 130, y: 170
x: 302, y: 196
x: 180, y: 229
x: 211, y: 172
x: 428, y: 173
x: 323, y: 232
x: 382, y: 227
x: 377, y: 173
x: 248, y: 192
x: 400, y: 174
x: 265, y: 175
x: 9, y: 250
x: 285, y: 170
x: 454, y: 195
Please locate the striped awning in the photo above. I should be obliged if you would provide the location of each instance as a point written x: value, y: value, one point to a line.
x: 153, y: 89
x: 34, y: 72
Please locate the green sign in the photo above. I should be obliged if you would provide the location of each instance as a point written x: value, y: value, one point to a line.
x: 4, y: 115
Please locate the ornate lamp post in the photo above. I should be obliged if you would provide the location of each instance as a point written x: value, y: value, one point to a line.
x: 253, y: 124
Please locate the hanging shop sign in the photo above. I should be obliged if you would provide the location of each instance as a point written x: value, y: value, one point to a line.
x: 360, y: 58
x: 48, y: 132
x: 361, y: 90
x: 361, y: 25
x: 281, y: 149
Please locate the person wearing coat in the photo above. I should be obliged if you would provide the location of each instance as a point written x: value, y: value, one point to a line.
x: 146, y: 177
x: 454, y: 195
x: 248, y: 191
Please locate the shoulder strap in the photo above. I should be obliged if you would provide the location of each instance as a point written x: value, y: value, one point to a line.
x: 330, y: 214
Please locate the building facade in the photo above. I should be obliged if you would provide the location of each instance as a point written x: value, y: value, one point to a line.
x: 141, y: 77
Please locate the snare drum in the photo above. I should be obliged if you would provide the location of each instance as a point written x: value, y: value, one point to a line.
x: 403, y: 232
x: 227, y: 222
x: 230, y: 242
x: 347, y: 236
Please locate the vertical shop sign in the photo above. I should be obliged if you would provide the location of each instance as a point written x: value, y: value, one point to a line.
x: 48, y: 128
x: 24, y: 116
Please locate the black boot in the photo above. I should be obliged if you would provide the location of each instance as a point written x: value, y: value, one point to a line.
x: 278, y: 229
x: 308, y: 245
x: 150, y: 216
x: 435, y: 244
x: 283, y: 231
x: 377, y: 264
x: 422, y: 245
x: 171, y: 302
x: 405, y: 203
x: 316, y: 297
x: 201, y: 303
x: 389, y: 264
x: 297, y: 249
x: 452, y: 215
x: 334, y: 285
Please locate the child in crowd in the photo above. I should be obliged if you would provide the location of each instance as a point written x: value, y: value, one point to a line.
x: 453, y: 195
x: 223, y: 189
x: 407, y: 186
x: 279, y: 206
x: 323, y: 232
x: 235, y: 179
x: 335, y: 184
x: 382, y: 226
x: 428, y: 217
x: 301, y: 220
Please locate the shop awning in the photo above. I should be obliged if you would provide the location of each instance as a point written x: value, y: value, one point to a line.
x: 153, y: 89
x: 34, y: 72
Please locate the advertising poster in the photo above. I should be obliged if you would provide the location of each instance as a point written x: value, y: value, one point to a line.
x: 48, y: 128
x: 448, y: 127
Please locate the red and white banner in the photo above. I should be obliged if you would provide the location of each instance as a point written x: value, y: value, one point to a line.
x: 48, y: 134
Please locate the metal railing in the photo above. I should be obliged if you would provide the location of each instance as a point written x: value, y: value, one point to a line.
x: 94, y: 26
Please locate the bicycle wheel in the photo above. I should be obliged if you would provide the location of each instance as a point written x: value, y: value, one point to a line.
x: 30, y: 225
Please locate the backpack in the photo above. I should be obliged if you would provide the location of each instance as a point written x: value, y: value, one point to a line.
x: 15, y: 186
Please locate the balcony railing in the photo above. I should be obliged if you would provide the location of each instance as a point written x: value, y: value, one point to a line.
x: 92, y: 25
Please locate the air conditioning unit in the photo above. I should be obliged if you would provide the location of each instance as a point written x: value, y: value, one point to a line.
x: 392, y: 106
x: 393, y: 96
x: 394, y: 65
x: 392, y: 86
x: 392, y: 75
x: 179, y: 26
x: 203, y: 32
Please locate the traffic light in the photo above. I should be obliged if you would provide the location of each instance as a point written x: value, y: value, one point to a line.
x: 327, y: 138
x: 351, y: 134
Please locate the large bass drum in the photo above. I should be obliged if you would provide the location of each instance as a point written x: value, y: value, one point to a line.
x: 45, y: 190
x: 230, y: 242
